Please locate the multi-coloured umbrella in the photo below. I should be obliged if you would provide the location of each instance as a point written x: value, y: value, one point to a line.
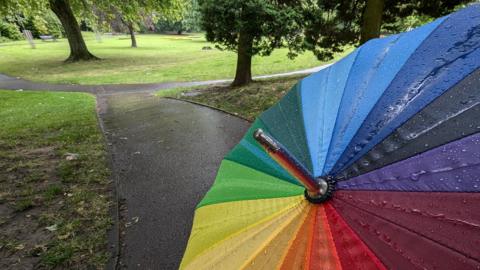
x: 392, y: 131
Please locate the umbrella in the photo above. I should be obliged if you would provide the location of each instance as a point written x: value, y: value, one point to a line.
x: 371, y: 163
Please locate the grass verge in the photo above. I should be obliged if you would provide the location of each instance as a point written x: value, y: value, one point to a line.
x: 247, y: 101
x: 54, y: 182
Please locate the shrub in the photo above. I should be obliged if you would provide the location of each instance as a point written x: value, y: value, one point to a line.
x: 10, y: 31
x: 44, y: 24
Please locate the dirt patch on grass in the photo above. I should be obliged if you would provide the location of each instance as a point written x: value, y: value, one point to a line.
x: 27, y: 176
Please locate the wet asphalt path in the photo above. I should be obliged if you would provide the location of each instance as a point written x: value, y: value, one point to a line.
x: 165, y: 157
x: 12, y: 83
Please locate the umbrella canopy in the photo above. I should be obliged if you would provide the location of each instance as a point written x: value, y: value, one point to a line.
x: 392, y: 131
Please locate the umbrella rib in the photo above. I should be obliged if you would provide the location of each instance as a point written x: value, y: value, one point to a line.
x: 336, y: 116
x: 414, y: 232
x: 269, y: 161
x: 321, y: 132
x: 473, y: 165
x: 289, y: 128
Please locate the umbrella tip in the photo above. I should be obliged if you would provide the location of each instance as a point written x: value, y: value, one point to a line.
x: 265, y: 140
x: 326, y: 187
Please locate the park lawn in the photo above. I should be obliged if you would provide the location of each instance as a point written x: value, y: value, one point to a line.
x: 159, y: 58
x: 246, y: 101
x: 54, y: 212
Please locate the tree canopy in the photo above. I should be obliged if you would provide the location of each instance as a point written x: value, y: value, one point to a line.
x: 349, y: 22
x: 252, y: 27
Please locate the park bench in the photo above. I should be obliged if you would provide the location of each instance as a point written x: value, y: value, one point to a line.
x: 48, y: 38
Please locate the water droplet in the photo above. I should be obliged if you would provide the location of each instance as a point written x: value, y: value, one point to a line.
x: 416, y: 176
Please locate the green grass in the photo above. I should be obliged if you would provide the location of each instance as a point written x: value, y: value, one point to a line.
x: 159, y: 58
x: 52, y: 191
x: 62, y: 204
x: 247, y: 101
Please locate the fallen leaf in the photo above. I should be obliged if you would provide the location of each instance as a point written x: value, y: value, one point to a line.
x: 63, y: 237
x: 71, y: 156
x: 52, y: 228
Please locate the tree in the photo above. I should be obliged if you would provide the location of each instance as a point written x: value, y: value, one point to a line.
x: 396, y: 12
x: 372, y: 20
x: 189, y: 21
x: 63, y: 10
x: 133, y: 11
x: 332, y: 25
x: 349, y: 22
x: 78, y: 48
x: 252, y: 27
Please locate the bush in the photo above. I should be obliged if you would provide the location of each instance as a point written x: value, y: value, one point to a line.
x: 50, y: 25
x: 4, y: 39
x: 44, y: 24
x: 9, y: 31
x: 406, y: 24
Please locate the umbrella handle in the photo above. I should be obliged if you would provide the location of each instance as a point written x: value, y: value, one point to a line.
x: 317, y: 190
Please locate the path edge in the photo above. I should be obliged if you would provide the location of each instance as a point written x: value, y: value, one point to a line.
x: 113, y: 234
x: 212, y: 107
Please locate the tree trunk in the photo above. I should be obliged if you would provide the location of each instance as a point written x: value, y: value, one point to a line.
x: 78, y: 48
x: 243, y: 74
x: 372, y: 20
x: 132, y: 34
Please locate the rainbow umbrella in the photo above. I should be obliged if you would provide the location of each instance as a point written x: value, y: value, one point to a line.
x: 371, y: 163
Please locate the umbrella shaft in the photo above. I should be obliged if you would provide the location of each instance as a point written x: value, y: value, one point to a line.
x: 296, y: 169
x: 287, y: 161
